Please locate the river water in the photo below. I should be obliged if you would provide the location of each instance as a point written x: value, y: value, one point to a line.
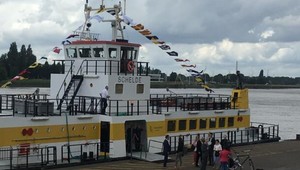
x: 275, y: 106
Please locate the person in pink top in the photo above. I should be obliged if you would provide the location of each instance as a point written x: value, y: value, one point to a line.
x: 224, y: 158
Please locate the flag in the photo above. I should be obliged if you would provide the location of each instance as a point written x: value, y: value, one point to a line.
x: 192, y: 65
x: 127, y: 20
x: 23, y: 72
x: 6, y: 84
x: 34, y: 65
x: 152, y: 37
x: 97, y: 17
x: 173, y: 53
x: 66, y: 41
x: 165, y: 47
x: 56, y: 50
x: 181, y: 60
x: 145, y: 32
x: 17, y: 78
x: 111, y: 12
x: 43, y: 58
x: 157, y: 42
x: 193, y: 71
x: 207, y: 88
x: 138, y: 27
x: 199, y: 79
x: 72, y: 36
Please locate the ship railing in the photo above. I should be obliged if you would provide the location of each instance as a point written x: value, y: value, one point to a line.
x: 25, y: 157
x: 251, y: 135
x: 95, y: 67
x: 85, y: 152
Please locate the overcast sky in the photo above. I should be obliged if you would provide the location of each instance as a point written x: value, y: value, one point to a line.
x: 213, y: 34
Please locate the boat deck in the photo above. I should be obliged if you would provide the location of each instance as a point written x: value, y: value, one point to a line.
x: 268, y: 156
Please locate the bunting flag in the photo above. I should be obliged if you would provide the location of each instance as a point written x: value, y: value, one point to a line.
x: 127, y: 20
x: 138, y: 27
x: 173, y: 53
x: 56, y: 50
x: 23, y: 72
x: 34, y: 65
x: 43, y: 58
x: 101, y: 9
x: 165, y: 47
x: 72, y: 36
x: 207, y: 88
x: 199, y: 80
x: 6, y: 84
x: 145, y: 32
x: 18, y: 78
x: 66, y: 42
x: 181, y: 60
x: 191, y: 65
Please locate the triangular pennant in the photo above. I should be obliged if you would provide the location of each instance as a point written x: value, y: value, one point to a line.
x: 173, y: 53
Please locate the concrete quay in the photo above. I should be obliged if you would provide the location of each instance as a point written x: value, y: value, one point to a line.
x: 283, y: 155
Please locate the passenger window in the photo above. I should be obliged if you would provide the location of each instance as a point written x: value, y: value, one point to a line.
x: 222, y: 122
x: 140, y: 88
x: 84, y: 52
x: 212, y: 123
x: 230, y: 122
x: 182, y: 124
x: 171, y: 125
x: 72, y: 52
x: 203, y: 123
x: 119, y: 88
x: 112, y: 53
x: 193, y: 124
x: 98, y: 52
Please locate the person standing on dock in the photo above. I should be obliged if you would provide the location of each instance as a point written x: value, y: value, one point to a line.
x: 179, y: 152
x: 104, y: 96
x: 166, y: 149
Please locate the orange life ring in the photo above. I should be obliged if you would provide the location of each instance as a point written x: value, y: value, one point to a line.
x: 130, y: 66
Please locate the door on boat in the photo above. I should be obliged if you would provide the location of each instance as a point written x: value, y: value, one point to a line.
x: 136, y: 135
x: 104, y: 137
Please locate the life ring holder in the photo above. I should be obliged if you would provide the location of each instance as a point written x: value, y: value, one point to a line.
x: 130, y: 66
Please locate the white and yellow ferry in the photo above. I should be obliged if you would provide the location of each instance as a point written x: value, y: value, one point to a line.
x: 67, y: 126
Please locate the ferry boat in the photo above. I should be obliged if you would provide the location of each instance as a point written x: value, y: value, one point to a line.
x: 70, y: 126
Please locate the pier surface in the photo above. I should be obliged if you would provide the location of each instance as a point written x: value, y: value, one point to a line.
x: 282, y: 155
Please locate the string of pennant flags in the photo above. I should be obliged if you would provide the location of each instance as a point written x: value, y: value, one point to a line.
x: 24, y: 74
x: 162, y: 45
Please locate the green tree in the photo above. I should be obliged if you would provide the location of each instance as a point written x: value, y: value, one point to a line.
x: 173, y: 76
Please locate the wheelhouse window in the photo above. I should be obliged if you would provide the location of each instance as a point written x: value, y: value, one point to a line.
x: 193, y: 124
x: 230, y: 122
x: 140, y: 88
x: 212, y: 123
x: 222, y: 121
x: 203, y: 123
x: 71, y: 52
x: 84, y: 52
x: 98, y: 52
x: 182, y: 124
x: 119, y: 88
x: 112, y: 52
x: 171, y: 125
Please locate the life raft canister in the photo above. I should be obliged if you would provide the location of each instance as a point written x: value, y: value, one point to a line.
x: 130, y: 66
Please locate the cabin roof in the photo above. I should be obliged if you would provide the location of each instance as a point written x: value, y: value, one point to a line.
x: 79, y: 42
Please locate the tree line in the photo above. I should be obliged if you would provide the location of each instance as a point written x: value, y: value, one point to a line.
x: 14, y: 61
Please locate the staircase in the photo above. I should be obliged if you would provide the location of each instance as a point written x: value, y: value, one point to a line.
x: 71, y: 92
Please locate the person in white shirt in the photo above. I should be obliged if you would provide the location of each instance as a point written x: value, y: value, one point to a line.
x: 217, y: 150
x: 104, y: 96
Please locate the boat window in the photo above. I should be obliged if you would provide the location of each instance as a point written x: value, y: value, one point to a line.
x: 182, y: 124
x: 98, y: 52
x: 134, y: 54
x: 119, y: 88
x: 84, y: 52
x: 171, y: 125
x: 193, y: 124
x: 112, y: 53
x: 222, y: 122
x: 212, y: 123
x: 72, y: 52
x: 230, y: 122
x: 140, y: 88
x: 202, y: 123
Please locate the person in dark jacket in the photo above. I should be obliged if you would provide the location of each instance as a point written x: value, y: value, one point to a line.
x: 179, y: 152
x: 198, y: 151
x: 204, y: 153
x: 166, y: 149
x: 211, y: 143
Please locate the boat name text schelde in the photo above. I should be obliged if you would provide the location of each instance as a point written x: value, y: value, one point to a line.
x: 122, y: 79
